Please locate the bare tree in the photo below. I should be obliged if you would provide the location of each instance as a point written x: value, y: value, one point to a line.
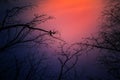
x: 14, y: 32
x: 68, y: 58
x: 108, y: 39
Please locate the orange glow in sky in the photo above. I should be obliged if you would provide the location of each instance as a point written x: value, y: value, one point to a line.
x: 74, y: 19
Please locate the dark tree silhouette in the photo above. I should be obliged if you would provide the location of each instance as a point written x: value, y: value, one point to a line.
x: 13, y: 32
x: 68, y: 58
x: 108, y: 39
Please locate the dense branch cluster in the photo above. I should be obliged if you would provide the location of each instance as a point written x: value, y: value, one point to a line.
x: 108, y: 39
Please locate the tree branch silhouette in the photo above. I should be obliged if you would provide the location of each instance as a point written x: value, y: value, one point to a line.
x: 108, y: 39
x: 16, y: 32
x: 68, y: 59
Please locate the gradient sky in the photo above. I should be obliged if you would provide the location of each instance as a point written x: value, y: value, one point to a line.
x: 74, y: 19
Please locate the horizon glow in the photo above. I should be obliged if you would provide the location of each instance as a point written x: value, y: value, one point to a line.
x: 73, y: 19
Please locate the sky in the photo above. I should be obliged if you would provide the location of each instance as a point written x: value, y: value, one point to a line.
x: 74, y: 19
